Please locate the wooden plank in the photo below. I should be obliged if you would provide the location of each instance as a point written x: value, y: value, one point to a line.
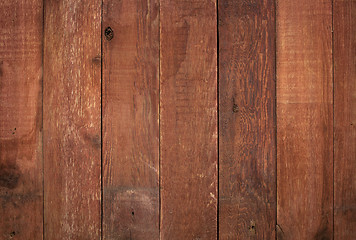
x: 247, y: 153
x: 188, y: 119
x: 304, y: 120
x: 344, y: 12
x: 130, y: 119
x: 21, y: 186
x: 72, y: 137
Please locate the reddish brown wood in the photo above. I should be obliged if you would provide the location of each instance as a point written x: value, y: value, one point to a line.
x: 304, y: 120
x: 188, y: 119
x: 247, y: 154
x: 345, y: 119
x: 130, y: 119
x: 71, y: 102
x: 21, y: 186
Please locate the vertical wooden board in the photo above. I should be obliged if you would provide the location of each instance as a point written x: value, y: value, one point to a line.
x: 304, y: 120
x: 71, y: 102
x: 247, y: 153
x: 188, y: 119
x: 21, y: 186
x: 130, y: 119
x: 344, y: 16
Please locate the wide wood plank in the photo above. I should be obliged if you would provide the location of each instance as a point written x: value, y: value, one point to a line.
x: 72, y: 136
x: 130, y: 119
x: 345, y: 119
x: 21, y: 186
x: 247, y: 153
x: 304, y: 120
x: 188, y: 119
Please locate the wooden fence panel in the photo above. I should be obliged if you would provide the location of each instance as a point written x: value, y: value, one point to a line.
x: 21, y: 189
x: 304, y: 120
x: 131, y: 119
x: 247, y: 152
x: 71, y: 119
x: 188, y: 119
x: 345, y: 119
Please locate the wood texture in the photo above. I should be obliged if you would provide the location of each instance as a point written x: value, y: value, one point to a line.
x: 247, y: 154
x: 72, y: 137
x: 130, y: 120
x: 304, y: 120
x: 188, y: 86
x: 345, y: 119
x: 21, y: 186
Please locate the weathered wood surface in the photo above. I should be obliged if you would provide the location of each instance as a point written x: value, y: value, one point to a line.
x: 71, y: 119
x: 304, y: 120
x: 344, y: 16
x: 188, y: 119
x: 131, y: 119
x: 287, y: 149
x: 247, y: 153
x: 21, y: 186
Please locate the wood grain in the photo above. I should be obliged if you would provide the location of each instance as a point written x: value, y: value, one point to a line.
x: 188, y: 119
x: 130, y: 120
x: 247, y: 154
x: 246, y: 110
x: 304, y: 120
x: 71, y: 102
x: 21, y: 186
x: 344, y: 12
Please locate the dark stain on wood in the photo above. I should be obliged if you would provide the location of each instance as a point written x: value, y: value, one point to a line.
x: 95, y: 140
x: 9, y: 175
x: 97, y: 59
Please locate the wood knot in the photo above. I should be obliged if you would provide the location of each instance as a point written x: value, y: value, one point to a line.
x: 97, y: 59
x: 235, y: 108
x: 109, y: 33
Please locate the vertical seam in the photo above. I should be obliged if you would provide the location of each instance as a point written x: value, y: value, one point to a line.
x: 275, y: 2
x: 218, y: 117
x: 159, y: 122
x: 42, y: 154
x: 101, y: 123
x: 333, y: 112
x: 101, y: 126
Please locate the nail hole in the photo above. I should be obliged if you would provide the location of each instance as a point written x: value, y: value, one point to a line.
x: 252, y: 227
x: 12, y: 234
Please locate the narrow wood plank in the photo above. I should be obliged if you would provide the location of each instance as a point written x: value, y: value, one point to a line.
x: 21, y: 186
x: 345, y: 119
x: 72, y: 86
x: 247, y: 153
x: 130, y: 119
x: 304, y: 120
x: 188, y: 86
